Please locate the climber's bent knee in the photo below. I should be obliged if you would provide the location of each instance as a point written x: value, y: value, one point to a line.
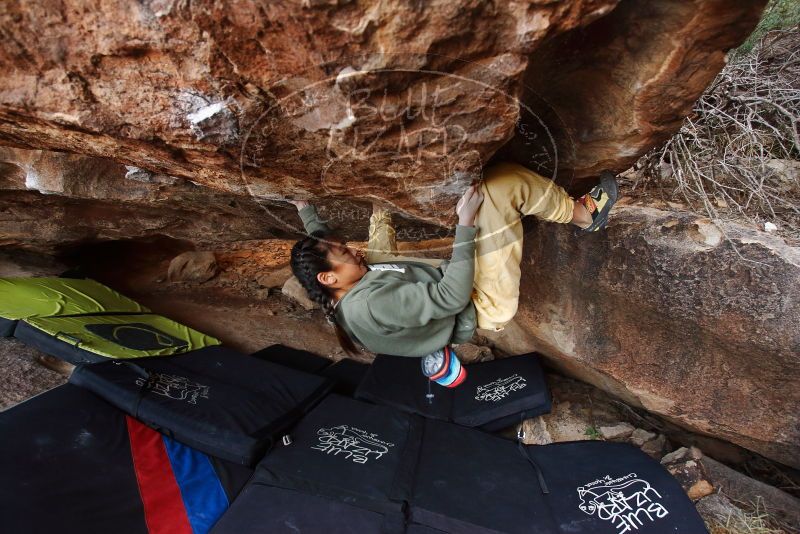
x: 497, y: 315
x: 527, y: 192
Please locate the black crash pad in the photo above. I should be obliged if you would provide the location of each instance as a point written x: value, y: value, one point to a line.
x: 215, y: 399
x: 347, y: 375
x: 347, y: 450
x: 495, y: 394
x: 66, y: 465
x: 262, y: 509
x: 357, y: 467
x: 299, y: 359
x: 590, y: 487
x: 344, y: 471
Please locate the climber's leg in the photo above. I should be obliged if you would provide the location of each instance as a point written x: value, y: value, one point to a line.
x: 510, y: 192
x: 382, y: 244
x: 381, y: 235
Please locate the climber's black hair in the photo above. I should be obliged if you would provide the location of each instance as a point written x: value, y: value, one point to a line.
x: 309, y: 258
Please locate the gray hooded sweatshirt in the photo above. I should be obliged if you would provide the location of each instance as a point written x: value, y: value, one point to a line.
x: 414, y: 312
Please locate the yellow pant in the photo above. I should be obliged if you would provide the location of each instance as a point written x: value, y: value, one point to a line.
x: 510, y: 192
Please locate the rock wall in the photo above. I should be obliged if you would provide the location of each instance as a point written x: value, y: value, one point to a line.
x: 624, y: 83
x: 50, y: 201
x: 53, y: 201
x: 394, y: 101
x: 697, y: 322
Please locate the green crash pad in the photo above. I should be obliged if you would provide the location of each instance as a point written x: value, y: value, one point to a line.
x: 123, y: 336
x: 25, y: 298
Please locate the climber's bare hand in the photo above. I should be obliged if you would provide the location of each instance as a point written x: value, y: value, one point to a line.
x: 468, y: 206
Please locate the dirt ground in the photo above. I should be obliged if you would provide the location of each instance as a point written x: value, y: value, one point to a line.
x: 21, y: 375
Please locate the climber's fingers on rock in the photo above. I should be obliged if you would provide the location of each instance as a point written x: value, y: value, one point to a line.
x: 472, y: 198
x: 468, y: 194
x: 299, y: 204
x: 477, y: 198
x: 468, y: 205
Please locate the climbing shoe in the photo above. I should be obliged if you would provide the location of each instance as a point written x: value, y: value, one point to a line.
x: 444, y: 368
x: 599, y: 200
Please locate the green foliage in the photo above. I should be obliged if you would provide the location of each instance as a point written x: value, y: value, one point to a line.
x: 592, y: 433
x: 779, y: 14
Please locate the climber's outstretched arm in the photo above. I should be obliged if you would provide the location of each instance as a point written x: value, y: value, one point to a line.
x: 311, y: 219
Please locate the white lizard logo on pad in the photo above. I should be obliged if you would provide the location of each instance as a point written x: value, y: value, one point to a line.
x: 352, y: 443
x: 174, y: 387
x: 627, y: 502
x: 500, y: 388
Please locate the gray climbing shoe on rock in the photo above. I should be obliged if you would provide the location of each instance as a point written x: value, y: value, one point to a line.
x: 599, y: 201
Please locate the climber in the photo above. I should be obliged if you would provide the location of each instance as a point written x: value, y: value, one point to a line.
x: 404, y: 306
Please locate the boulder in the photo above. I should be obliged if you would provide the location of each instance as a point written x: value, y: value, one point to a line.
x: 681, y: 454
x: 685, y: 466
x: 534, y: 432
x: 693, y: 320
x: 617, y: 432
x: 275, y: 278
x: 52, y: 201
x: 692, y: 478
x: 641, y: 436
x: 217, y: 113
x: 192, y: 266
x: 318, y: 98
x: 656, y: 447
x: 292, y: 289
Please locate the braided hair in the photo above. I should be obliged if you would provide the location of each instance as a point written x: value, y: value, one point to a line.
x: 309, y: 258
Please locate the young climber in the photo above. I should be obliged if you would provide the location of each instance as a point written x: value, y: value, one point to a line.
x: 404, y: 306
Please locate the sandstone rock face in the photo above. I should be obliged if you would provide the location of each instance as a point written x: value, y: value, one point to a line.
x: 52, y: 201
x: 696, y: 322
x: 392, y: 101
x: 612, y: 91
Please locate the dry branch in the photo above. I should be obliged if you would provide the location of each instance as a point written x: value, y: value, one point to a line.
x: 738, y: 155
